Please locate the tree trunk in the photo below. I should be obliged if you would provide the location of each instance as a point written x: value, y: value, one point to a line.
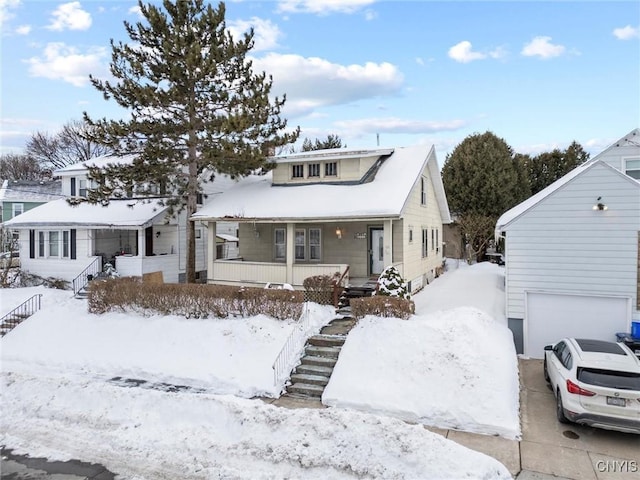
x: 192, y: 196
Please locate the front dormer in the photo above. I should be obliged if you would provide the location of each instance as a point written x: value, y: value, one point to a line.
x: 335, y: 166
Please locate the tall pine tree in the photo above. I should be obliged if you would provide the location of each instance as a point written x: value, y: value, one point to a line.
x: 196, y: 108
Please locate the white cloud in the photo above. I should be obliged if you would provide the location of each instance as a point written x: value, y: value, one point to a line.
x: 266, y: 33
x: 419, y: 61
x: 314, y: 82
x: 394, y: 125
x: 463, y: 53
x: 70, y: 16
x: 543, y: 48
x: 5, y: 10
x: 370, y: 14
x: 626, y: 33
x: 322, y: 7
x: 136, y: 10
x: 23, y: 29
x: 62, y: 62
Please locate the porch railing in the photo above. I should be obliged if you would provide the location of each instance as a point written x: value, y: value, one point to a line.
x: 27, y: 308
x: 292, y: 348
x: 338, y: 287
x: 92, y: 269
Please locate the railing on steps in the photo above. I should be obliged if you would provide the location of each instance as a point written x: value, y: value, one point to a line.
x: 291, y: 349
x: 18, y: 314
x: 81, y: 280
x: 337, y: 288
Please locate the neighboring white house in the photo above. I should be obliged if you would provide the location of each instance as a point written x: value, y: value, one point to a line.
x: 572, y: 253
x: 339, y: 210
x: 61, y: 241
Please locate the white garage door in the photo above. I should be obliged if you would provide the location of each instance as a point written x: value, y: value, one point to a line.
x: 550, y: 317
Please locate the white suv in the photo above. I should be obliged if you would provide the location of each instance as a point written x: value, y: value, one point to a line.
x: 595, y: 382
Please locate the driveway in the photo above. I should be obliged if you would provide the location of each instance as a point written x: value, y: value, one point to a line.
x: 569, y: 451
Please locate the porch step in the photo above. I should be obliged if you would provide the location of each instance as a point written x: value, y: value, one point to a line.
x: 310, y: 369
x: 318, y: 361
x: 306, y: 379
x: 331, y: 352
x: 324, y: 340
x: 306, y: 389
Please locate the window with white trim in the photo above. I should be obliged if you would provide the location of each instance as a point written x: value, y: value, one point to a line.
x: 82, y: 188
x: 17, y: 209
x: 423, y: 191
x: 314, y: 244
x: 314, y: 169
x: 425, y: 242
x: 331, y: 169
x: 437, y: 240
x: 300, y: 244
x: 297, y: 171
x: 433, y: 238
x: 280, y: 242
x: 54, y: 244
x: 632, y: 167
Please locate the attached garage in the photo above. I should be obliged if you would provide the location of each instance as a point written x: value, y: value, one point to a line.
x: 552, y: 316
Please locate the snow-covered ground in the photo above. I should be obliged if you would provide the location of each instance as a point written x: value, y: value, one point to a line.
x: 56, y: 367
x: 451, y: 365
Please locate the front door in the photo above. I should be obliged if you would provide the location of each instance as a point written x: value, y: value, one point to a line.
x: 376, y: 250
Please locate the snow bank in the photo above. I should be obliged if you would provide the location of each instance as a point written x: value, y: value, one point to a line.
x: 225, y: 356
x: 146, y: 434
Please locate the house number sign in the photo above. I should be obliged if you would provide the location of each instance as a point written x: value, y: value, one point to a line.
x: 361, y: 235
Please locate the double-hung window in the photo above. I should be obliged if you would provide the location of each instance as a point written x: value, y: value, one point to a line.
x: 314, y: 244
x: 17, y: 209
x: 632, y: 168
x: 280, y: 242
x: 314, y: 170
x: 300, y: 245
x: 423, y: 191
x: 297, y: 171
x: 331, y: 169
x: 433, y: 238
x: 82, y: 188
x: 425, y: 242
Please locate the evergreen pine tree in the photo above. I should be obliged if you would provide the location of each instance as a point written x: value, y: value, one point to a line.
x: 391, y: 284
x: 196, y: 108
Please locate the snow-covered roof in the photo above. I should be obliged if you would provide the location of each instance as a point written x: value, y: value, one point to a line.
x: 255, y: 197
x: 99, y: 162
x: 521, y: 208
x: 118, y: 214
x: 227, y: 238
x: 30, y: 191
x: 329, y: 154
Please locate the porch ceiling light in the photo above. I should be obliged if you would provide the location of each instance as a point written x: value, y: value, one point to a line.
x: 599, y: 205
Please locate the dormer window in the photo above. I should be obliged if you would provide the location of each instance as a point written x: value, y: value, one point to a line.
x: 632, y: 168
x: 297, y: 171
x: 314, y: 170
x: 331, y: 169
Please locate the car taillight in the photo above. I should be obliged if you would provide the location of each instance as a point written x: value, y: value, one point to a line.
x: 573, y: 388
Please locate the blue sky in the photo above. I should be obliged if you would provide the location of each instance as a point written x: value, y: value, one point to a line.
x: 538, y: 74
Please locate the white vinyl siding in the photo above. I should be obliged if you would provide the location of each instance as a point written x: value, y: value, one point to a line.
x: 563, y: 245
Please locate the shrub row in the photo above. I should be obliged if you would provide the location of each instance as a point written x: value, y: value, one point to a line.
x: 192, y: 300
x: 382, y: 306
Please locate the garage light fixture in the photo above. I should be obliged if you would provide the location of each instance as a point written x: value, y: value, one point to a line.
x: 599, y: 205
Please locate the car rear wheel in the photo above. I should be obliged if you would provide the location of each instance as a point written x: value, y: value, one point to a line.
x: 560, y: 409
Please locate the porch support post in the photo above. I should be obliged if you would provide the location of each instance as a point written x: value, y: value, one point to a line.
x: 141, y: 243
x: 212, y: 249
x: 290, y: 251
x: 387, y: 255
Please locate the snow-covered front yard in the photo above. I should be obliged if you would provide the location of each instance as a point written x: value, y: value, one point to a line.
x: 451, y: 365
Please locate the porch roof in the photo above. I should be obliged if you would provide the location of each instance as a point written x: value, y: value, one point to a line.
x: 255, y: 198
x: 118, y: 214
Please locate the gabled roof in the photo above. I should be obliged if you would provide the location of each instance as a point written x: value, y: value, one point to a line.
x: 255, y: 198
x: 30, y: 190
x: 520, y: 209
x: 59, y: 214
x: 631, y: 139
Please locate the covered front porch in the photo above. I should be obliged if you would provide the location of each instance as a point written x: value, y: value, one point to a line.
x: 288, y: 252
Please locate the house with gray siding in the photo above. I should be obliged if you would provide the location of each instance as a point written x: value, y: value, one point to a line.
x: 572, y: 253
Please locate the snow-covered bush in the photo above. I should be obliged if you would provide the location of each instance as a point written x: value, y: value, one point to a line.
x: 391, y: 284
x: 382, y: 306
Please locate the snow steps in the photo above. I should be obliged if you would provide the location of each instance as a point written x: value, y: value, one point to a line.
x: 320, y: 356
